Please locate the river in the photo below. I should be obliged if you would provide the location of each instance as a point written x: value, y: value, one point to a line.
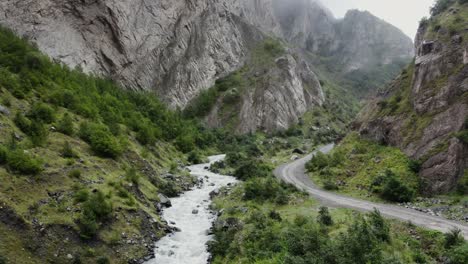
x: 190, y: 213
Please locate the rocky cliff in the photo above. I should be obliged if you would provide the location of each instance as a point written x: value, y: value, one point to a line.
x: 179, y: 48
x: 424, y: 111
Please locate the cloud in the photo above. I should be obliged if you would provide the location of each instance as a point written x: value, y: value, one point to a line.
x: 404, y: 14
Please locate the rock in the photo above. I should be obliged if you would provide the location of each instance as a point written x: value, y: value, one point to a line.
x: 4, y: 110
x: 69, y: 256
x: 214, y: 193
x: 299, y: 151
x: 294, y: 157
x: 153, y: 48
x: 195, y: 211
x: 164, y: 201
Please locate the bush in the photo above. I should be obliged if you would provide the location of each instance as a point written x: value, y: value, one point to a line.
x: 265, y: 189
x: 453, y: 238
x: 463, y: 136
x: 329, y: 185
x: 3, y: 155
x: 20, y: 162
x: 147, y: 135
x: 42, y: 112
x: 96, y: 209
x: 81, y: 196
x: 103, y: 260
x: 324, y: 216
x: 396, y: 191
x: 67, y: 151
x: 101, y: 140
x: 38, y: 133
x: 76, y: 174
x: 379, y: 226
x: 22, y: 122
x: 252, y: 169
x: 66, y: 126
x: 459, y: 255
x: 194, y: 157
x: 318, y: 162
x: 132, y: 176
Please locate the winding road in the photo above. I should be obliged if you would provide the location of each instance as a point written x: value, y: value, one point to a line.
x: 294, y: 173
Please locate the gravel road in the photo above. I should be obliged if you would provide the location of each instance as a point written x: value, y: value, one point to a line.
x: 294, y: 173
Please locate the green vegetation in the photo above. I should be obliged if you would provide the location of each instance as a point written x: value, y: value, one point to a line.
x: 18, y: 161
x: 96, y: 209
x: 366, y: 169
x: 93, y: 147
x: 263, y: 231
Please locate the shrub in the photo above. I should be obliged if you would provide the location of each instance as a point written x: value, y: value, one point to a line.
x: 42, y: 112
x: 329, y: 185
x: 194, y: 157
x: 264, y: 189
x: 103, y: 260
x: 463, y: 136
x: 38, y: 133
x: 19, y: 161
x: 3, y: 155
x: 67, y: 151
x: 396, y: 191
x: 459, y: 255
x: 185, y: 143
x: 96, y: 209
x: 379, y: 226
x: 324, y: 216
x: 318, y: 162
x: 147, y: 135
x: 66, y: 126
x: 453, y: 238
x: 22, y: 122
x: 76, y: 174
x: 81, y: 196
x: 101, y: 140
x: 132, y: 176
x: 252, y: 169
x: 414, y: 165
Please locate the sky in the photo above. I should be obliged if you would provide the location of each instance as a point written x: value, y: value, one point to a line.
x: 404, y: 14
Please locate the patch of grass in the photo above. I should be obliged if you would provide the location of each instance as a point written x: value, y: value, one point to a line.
x: 357, y: 167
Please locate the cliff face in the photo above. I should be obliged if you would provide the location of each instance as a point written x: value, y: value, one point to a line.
x: 178, y: 48
x: 424, y: 112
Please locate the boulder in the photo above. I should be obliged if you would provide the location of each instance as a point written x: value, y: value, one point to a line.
x: 4, y: 110
x: 299, y: 151
x: 164, y: 201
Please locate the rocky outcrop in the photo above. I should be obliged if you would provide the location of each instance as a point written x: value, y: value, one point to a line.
x: 425, y: 124
x: 282, y: 93
x: 177, y: 48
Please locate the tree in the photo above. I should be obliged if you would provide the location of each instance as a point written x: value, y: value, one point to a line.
x: 324, y: 216
x: 66, y: 126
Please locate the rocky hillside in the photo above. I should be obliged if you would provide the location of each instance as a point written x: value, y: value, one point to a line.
x: 424, y: 111
x: 179, y: 48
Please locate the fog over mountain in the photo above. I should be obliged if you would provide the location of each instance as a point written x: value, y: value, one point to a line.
x: 406, y: 18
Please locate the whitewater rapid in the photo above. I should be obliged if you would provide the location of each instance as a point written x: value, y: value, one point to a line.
x: 189, y: 245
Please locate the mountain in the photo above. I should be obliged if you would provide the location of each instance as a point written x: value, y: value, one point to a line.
x: 424, y: 111
x: 178, y: 49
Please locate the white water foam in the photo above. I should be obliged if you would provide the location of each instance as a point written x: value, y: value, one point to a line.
x: 189, y: 245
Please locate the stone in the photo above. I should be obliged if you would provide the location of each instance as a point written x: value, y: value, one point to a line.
x: 4, y: 110
x: 195, y: 211
x: 299, y: 151
x: 164, y: 201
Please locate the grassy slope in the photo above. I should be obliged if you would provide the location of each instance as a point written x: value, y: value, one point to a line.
x: 359, y: 163
x: 39, y: 214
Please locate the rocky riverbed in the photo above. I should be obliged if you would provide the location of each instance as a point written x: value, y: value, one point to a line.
x: 191, y: 219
